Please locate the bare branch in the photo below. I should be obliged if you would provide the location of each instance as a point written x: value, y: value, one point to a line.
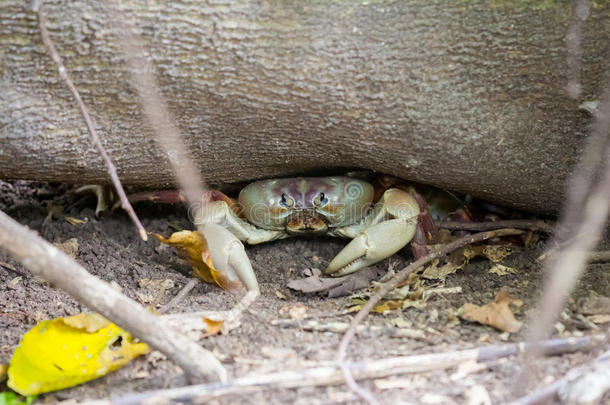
x: 531, y: 224
x: 330, y: 375
x: 48, y: 262
x: 44, y: 33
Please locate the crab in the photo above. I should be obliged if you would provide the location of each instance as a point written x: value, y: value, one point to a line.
x: 337, y: 206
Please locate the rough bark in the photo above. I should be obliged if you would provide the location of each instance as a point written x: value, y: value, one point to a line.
x: 466, y: 95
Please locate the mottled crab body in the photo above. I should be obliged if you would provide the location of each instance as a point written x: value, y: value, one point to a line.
x: 279, y: 208
x: 306, y: 205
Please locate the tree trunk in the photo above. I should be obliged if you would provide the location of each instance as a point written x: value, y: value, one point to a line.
x: 465, y: 95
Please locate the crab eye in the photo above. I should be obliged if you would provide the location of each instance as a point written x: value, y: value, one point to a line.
x: 286, y: 201
x: 320, y: 200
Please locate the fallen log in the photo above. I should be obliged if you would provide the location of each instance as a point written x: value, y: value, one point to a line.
x: 469, y: 96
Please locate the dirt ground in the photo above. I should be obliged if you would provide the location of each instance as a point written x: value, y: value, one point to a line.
x: 111, y: 249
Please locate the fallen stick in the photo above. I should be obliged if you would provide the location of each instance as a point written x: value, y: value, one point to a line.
x: 63, y: 73
x: 182, y: 294
x: 330, y: 375
x: 583, y: 385
x: 530, y: 224
x: 341, y: 327
x: 397, y: 279
x: 51, y: 264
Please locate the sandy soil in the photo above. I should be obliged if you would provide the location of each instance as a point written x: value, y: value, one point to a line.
x: 110, y: 249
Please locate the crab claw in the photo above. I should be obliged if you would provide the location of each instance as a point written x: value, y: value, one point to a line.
x: 229, y: 256
x: 373, y: 245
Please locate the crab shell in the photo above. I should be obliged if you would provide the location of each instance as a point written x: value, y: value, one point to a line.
x: 306, y: 205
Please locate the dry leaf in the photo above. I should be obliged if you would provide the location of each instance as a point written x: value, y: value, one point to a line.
x: 88, y: 321
x: 496, y: 314
x: 295, y: 311
x: 14, y: 282
x: 387, y: 306
x: 495, y: 253
x: 502, y: 270
x: 69, y: 247
x: 212, y: 327
x: 453, y: 263
x: 192, y: 246
x: 335, y: 286
x: 75, y: 221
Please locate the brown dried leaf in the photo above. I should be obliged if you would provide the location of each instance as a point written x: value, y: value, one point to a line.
x: 314, y: 283
x: 192, y: 246
x: 502, y: 270
x: 495, y: 253
x: 454, y: 262
x: 496, y: 314
x: 335, y: 286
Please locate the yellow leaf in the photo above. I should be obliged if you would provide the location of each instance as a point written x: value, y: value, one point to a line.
x: 192, y: 246
x: 64, y: 352
x: 389, y: 305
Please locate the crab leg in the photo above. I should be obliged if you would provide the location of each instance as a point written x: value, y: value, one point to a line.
x: 391, y: 225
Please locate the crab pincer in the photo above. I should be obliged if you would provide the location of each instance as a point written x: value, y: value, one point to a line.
x: 389, y: 228
x: 229, y: 257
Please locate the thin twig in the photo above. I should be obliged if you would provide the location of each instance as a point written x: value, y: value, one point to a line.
x: 51, y: 264
x: 531, y: 224
x: 341, y: 327
x: 329, y: 375
x: 182, y: 294
x: 63, y: 73
x: 403, y: 274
